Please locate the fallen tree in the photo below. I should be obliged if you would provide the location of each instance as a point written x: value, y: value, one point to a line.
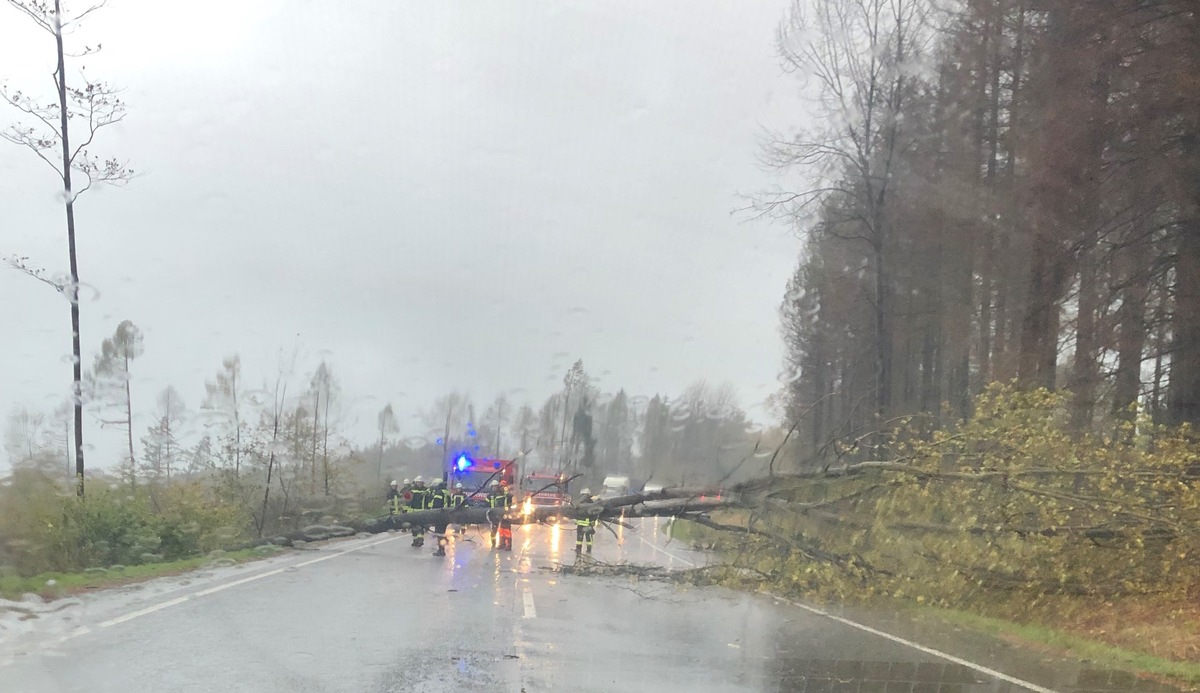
x: 1008, y: 502
x: 671, y: 502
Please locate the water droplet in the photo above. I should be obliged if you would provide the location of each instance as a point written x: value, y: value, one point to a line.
x: 789, y: 376
x: 415, y: 442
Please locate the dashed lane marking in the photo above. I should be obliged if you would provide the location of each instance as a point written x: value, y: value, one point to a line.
x: 530, y: 610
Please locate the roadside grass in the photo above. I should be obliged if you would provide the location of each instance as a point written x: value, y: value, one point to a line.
x: 682, y: 530
x: 1075, y: 645
x: 692, y: 533
x: 56, y: 585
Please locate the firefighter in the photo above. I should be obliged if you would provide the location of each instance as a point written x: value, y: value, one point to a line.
x: 394, y: 499
x: 585, y: 526
x: 501, y: 499
x: 495, y: 501
x: 458, y: 499
x: 418, y: 499
x: 439, y: 499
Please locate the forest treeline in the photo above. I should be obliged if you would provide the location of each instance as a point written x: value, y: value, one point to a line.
x: 1006, y: 190
x: 256, y: 457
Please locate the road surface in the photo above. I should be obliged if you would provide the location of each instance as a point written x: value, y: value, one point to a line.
x: 374, y: 615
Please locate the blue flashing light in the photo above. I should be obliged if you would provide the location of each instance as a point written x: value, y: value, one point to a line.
x: 462, y: 463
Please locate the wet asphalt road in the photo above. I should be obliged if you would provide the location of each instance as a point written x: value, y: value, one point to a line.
x: 375, y: 615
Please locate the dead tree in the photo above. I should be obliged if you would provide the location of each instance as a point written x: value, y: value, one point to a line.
x: 43, y: 130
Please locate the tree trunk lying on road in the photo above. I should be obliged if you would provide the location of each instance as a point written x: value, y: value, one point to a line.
x: 666, y: 503
x: 670, y: 503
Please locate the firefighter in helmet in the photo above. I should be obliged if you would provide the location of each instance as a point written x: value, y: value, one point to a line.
x: 458, y: 499
x: 499, y: 501
x: 418, y: 499
x: 394, y: 498
x: 439, y: 499
x: 585, y: 525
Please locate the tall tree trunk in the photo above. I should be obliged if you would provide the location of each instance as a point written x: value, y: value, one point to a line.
x: 987, y: 268
x: 1157, y: 409
x: 325, y: 445
x: 1085, y: 373
x: 129, y: 415
x: 1039, y: 325
x: 883, y: 334
x: 986, y: 271
x: 1131, y: 320
x: 73, y: 289
x: 312, y: 488
x: 1183, y: 392
x: 379, y: 474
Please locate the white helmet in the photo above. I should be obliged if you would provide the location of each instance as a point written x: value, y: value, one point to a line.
x: 439, y: 482
x: 458, y: 485
x: 419, y: 480
x: 394, y: 483
x: 494, y: 483
x: 586, y: 492
x: 406, y: 482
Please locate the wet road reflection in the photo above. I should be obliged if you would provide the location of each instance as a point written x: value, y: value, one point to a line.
x: 388, y: 617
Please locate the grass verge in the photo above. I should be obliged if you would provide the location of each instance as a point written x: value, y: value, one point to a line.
x: 56, y: 585
x: 1074, y: 645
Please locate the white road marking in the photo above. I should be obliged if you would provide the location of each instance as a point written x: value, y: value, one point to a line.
x: 142, y: 612
x: 894, y: 638
x: 235, y: 583
x: 530, y: 610
x: 927, y: 650
x: 219, y: 588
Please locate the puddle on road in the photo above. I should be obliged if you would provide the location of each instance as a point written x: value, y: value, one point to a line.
x: 859, y: 676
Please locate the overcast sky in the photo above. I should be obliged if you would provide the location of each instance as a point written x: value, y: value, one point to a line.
x: 432, y: 195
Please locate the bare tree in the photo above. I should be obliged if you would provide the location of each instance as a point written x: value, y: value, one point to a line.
x: 45, y: 130
x: 224, y: 393
x: 112, y: 376
x: 387, y: 425
x: 863, y: 56
x: 324, y: 388
x: 450, y: 413
x: 273, y: 424
x: 22, y: 435
x: 161, y: 443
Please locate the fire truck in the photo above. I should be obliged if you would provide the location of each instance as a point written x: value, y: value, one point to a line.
x: 477, y: 474
x: 544, y: 488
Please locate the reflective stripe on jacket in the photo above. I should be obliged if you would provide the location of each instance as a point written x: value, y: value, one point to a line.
x: 439, y: 498
x: 419, y: 498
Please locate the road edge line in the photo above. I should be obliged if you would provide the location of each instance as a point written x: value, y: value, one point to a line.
x: 888, y: 636
x: 918, y: 646
x: 242, y: 581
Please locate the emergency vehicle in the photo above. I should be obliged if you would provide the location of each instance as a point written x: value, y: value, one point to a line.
x: 477, y: 474
x: 539, y: 487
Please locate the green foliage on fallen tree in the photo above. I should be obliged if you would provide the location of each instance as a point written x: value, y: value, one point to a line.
x: 1009, y: 502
